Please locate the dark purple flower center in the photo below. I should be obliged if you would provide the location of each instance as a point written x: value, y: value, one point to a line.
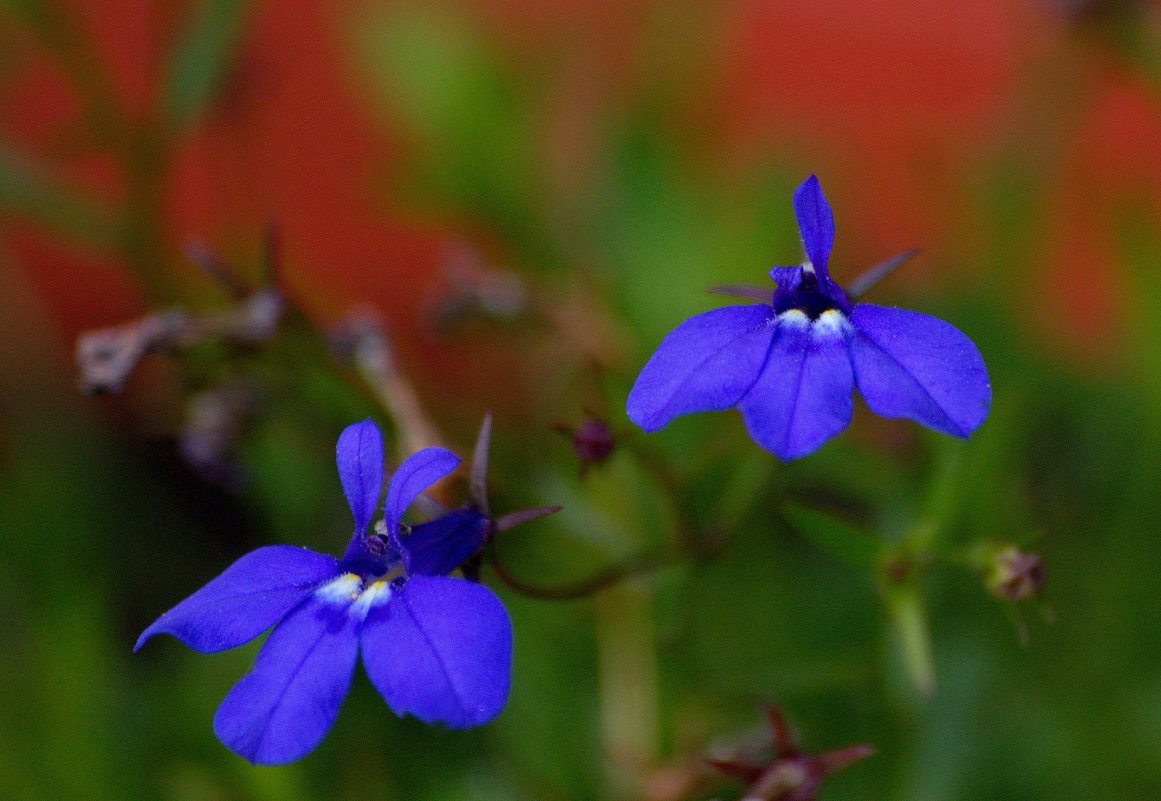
x: 370, y: 557
x: 803, y: 290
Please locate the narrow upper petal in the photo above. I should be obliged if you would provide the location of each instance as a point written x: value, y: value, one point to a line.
x: 440, y: 546
x: 440, y: 650
x: 419, y: 472
x: 706, y: 364
x: 283, y: 708
x: 911, y: 365
x: 360, y: 458
x: 803, y: 396
x: 251, y: 595
x: 816, y: 222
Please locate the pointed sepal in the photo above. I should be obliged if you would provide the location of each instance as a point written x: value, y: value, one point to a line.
x: 478, y: 482
x: 867, y: 281
x: 521, y: 516
x: 758, y: 294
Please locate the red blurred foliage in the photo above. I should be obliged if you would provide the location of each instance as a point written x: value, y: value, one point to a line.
x: 893, y: 104
x: 895, y: 98
x: 293, y: 143
x: 290, y: 143
x: 1116, y: 161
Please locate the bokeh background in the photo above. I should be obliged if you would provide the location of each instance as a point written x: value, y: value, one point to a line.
x: 526, y: 197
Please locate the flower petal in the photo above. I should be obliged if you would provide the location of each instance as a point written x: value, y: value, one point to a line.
x: 249, y: 597
x: 360, y: 458
x: 816, y: 222
x: 440, y: 650
x: 440, y: 546
x: 288, y: 702
x: 706, y: 364
x: 788, y: 279
x: 416, y: 474
x: 911, y: 365
x: 803, y: 396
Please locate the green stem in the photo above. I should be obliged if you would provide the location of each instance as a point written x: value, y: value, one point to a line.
x: 628, y: 685
x: 943, y: 495
x: 145, y: 158
x: 902, y: 580
x: 908, y: 619
x: 57, y: 31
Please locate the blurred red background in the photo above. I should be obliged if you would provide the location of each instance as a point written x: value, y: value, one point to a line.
x: 897, y: 105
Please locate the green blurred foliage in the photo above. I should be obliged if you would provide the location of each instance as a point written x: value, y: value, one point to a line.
x: 202, y: 58
x: 767, y: 582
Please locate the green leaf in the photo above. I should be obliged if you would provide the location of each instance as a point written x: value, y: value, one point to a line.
x: 28, y: 190
x: 468, y: 114
x: 204, y: 52
x: 837, y: 537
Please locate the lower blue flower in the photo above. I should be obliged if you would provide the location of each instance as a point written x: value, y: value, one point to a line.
x: 434, y: 647
x: 790, y: 365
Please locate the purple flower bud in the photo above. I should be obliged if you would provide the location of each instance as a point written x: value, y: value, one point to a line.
x: 592, y: 441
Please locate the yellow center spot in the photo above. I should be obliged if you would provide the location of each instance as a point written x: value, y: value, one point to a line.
x: 830, y: 321
x: 795, y: 318
x: 379, y: 592
x: 341, y: 589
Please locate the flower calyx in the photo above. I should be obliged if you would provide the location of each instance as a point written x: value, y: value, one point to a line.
x: 792, y: 775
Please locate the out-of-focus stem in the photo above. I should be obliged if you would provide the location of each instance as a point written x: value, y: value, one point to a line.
x: 146, y: 157
x: 903, y: 575
x: 376, y: 364
x: 57, y: 30
x: 942, y: 496
x: 588, y: 586
x: 627, y: 672
x: 908, y: 618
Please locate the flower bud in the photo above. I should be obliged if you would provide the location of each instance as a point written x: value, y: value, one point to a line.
x: 1014, y: 575
x: 592, y: 441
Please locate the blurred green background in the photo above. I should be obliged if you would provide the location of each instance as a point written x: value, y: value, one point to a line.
x: 523, y: 199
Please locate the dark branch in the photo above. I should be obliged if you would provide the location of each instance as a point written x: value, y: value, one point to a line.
x: 570, y: 592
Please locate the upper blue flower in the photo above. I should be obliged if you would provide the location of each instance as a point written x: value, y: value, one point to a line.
x: 435, y: 647
x: 791, y: 363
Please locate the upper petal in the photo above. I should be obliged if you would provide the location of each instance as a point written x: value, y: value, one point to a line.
x: 441, y: 650
x: 440, y: 546
x: 249, y: 597
x: 911, y: 365
x: 803, y: 396
x: 288, y: 702
x: 816, y: 222
x: 360, y: 458
x: 706, y: 364
x: 419, y: 472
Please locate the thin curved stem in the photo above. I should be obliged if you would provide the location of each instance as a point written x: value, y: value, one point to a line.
x: 580, y: 589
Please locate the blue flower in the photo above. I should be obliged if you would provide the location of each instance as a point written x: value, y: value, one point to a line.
x: 434, y: 647
x: 790, y: 364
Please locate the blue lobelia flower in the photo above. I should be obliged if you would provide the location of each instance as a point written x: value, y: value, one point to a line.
x: 434, y: 647
x: 791, y: 363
